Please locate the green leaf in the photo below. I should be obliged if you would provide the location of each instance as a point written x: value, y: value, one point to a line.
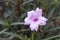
x: 48, y: 25
x: 50, y: 14
x: 23, y: 30
x: 52, y: 37
x: 23, y: 15
x: 3, y: 39
x: 13, y: 34
x: 17, y: 23
x: 26, y: 2
x: 2, y: 22
x: 3, y: 30
x: 52, y: 29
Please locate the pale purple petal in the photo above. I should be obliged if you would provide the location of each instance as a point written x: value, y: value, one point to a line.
x: 38, y: 11
x: 43, y: 18
x: 27, y: 21
x: 42, y: 23
x: 34, y: 26
x: 32, y: 15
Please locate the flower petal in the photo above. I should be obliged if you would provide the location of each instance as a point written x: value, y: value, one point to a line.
x: 30, y: 13
x: 38, y: 11
x: 42, y: 23
x: 27, y: 21
x: 43, y: 18
x: 34, y: 26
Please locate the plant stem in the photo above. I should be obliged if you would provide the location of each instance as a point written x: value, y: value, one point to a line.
x: 33, y: 35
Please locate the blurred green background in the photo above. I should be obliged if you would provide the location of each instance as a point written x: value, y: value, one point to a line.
x: 13, y: 12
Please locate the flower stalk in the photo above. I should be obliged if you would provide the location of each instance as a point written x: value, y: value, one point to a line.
x: 33, y: 35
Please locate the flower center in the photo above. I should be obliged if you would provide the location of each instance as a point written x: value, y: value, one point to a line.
x: 35, y: 20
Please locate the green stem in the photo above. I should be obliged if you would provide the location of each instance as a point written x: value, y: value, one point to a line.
x: 33, y: 35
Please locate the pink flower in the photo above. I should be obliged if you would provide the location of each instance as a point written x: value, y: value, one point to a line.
x: 34, y: 19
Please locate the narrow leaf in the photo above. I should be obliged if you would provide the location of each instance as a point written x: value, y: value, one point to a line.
x: 13, y: 34
x: 52, y: 29
x: 17, y: 23
x: 50, y: 14
x: 52, y: 37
